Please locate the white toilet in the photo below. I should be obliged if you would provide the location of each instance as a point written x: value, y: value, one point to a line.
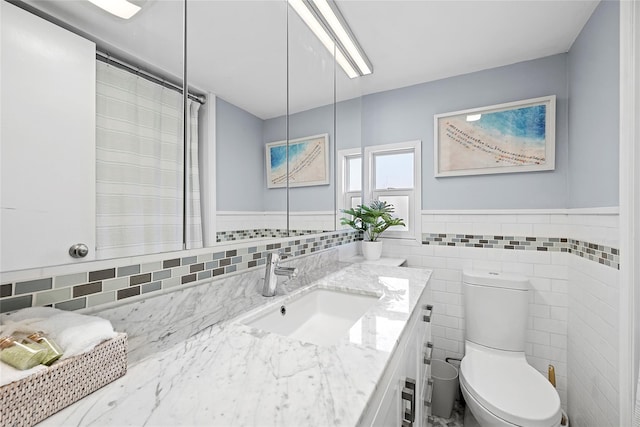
x: 499, y: 386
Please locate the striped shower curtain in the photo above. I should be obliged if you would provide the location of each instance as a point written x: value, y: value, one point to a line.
x: 139, y: 169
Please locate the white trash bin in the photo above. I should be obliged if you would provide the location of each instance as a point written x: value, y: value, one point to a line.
x: 445, y: 384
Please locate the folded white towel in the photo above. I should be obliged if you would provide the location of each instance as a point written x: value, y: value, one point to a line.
x: 75, y: 333
x: 9, y: 374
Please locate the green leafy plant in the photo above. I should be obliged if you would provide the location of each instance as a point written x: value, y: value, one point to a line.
x: 373, y: 220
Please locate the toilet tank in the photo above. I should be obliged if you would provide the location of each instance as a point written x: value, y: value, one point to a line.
x: 496, y: 307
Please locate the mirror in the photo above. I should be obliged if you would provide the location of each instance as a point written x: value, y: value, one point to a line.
x: 311, y: 131
x: 250, y: 107
x: 226, y: 157
x: 80, y: 129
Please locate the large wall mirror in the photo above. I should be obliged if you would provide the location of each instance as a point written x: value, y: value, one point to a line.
x: 105, y: 101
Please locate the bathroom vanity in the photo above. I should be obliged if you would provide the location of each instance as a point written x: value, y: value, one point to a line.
x: 371, y: 370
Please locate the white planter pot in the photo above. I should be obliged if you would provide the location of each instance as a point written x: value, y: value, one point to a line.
x: 371, y: 250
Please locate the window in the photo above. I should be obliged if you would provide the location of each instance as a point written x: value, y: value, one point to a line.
x: 393, y: 175
x: 350, y: 163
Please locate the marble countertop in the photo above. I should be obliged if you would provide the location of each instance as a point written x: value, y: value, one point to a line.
x: 234, y: 375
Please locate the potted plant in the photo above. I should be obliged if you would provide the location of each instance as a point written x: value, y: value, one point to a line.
x: 372, y: 220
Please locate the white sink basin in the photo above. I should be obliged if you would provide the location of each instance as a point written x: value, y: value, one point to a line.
x: 320, y: 316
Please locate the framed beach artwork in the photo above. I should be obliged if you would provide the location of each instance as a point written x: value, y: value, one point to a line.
x: 308, y: 162
x: 505, y: 138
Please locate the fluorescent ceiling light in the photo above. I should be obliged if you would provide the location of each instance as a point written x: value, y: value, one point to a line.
x: 473, y: 117
x: 324, y: 11
x: 120, y: 8
x: 342, y: 34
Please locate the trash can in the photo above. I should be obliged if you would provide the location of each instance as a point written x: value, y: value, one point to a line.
x: 445, y: 385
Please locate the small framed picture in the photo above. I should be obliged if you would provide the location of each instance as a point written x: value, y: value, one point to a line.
x: 308, y: 162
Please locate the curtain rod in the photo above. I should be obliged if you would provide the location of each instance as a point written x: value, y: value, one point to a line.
x: 109, y: 59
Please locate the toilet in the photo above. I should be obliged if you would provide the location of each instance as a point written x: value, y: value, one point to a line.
x: 499, y: 387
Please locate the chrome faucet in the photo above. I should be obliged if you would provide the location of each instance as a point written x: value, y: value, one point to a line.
x: 273, y: 270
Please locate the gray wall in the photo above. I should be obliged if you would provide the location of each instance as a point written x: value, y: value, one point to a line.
x: 347, y: 134
x: 584, y: 80
x: 594, y: 66
x: 273, y: 199
x: 239, y: 159
x: 407, y: 114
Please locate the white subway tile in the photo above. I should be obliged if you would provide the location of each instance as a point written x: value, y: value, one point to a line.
x: 484, y: 229
x: 435, y: 261
x: 540, y: 283
x: 560, y: 313
x: 538, y: 337
x: 444, y: 320
x: 534, y: 219
x: 434, y: 227
x: 446, y: 298
x: 446, y: 274
x: 517, y: 230
x: 540, y: 310
x: 549, y: 325
x: 534, y: 257
x: 454, y: 311
x: 454, y: 287
x: 558, y: 341
x: 459, y: 228
x: 455, y: 334
x: 560, y: 286
x: 551, y: 271
x: 551, y: 230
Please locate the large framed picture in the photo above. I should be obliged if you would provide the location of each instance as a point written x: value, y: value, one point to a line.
x: 513, y: 137
x: 308, y: 162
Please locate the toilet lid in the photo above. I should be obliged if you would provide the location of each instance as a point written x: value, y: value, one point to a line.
x: 507, y: 386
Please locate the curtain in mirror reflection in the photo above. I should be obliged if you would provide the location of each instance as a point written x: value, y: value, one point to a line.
x: 139, y: 166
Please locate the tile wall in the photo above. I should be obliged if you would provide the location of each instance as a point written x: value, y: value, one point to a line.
x: 593, y: 344
x: 261, y: 233
x: 542, y: 246
x: 242, y: 220
x: 91, y: 284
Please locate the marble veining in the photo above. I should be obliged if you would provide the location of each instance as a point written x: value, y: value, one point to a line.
x: 161, y: 321
x: 232, y: 374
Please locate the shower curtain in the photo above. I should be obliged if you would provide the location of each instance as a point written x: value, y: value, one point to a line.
x: 193, y: 217
x: 139, y: 160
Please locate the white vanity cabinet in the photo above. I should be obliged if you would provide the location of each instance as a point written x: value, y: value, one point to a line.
x: 403, y: 396
x: 47, y: 141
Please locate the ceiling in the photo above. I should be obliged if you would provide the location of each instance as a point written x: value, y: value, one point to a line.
x: 238, y: 49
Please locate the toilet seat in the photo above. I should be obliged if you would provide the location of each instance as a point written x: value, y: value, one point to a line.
x: 509, y: 388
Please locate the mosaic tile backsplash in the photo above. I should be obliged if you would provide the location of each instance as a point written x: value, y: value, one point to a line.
x: 107, y: 285
x: 260, y: 233
x: 601, y: 254
x: 89, y: 289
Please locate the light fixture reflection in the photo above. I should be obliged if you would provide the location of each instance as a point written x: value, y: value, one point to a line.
x: 324, y: 22
x: 120, y: 8
x: 473, y: 117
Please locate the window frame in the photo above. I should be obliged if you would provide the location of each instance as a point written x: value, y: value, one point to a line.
x: 415, y: 193
x: 343, y: 197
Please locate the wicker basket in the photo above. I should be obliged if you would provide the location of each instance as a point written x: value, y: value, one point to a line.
x: 32, y: 399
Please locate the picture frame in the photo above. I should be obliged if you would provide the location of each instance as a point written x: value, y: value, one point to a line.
x: 504, y: 138
x: 308, y: 162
